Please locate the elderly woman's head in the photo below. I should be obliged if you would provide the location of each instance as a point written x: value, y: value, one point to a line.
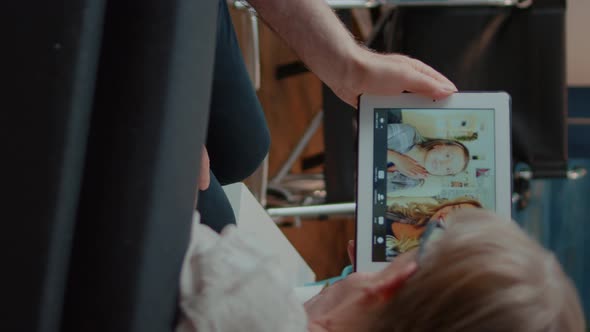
x: 482, y: 273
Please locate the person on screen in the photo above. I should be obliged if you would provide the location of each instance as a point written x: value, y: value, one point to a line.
x: 411, y: 157
x: 479, y: 273
x: 406, y: 222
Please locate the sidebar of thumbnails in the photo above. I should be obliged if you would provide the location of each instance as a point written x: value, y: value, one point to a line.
x: 379, y: 184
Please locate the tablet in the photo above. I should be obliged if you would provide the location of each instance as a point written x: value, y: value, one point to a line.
x: 419, y: 159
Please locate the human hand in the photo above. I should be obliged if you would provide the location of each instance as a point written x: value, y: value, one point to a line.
x: 358, y: 295
x: 204, y: 179
x: 327, y: 299
x: 406, y: 165
x: 328, y: 49
x: 351, y: 250
x: 387, y: 74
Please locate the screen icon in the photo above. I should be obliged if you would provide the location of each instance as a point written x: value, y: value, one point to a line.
x: 381, y: 175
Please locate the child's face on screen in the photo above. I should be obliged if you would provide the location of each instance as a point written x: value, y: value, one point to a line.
x: 445, y: 160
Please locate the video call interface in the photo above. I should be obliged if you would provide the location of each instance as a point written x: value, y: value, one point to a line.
x: 427, y: 164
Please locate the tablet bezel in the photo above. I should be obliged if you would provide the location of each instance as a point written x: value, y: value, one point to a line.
x: 499, y: 101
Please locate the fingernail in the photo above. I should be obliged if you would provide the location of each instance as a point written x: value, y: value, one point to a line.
x: 449, y: 87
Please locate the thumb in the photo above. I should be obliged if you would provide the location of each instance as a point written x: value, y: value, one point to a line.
x: 351, y: 251
x: 429, y: 71
x: 204, y: 177
x: 418, y: 82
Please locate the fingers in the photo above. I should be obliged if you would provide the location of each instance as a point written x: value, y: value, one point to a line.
x: 410, y: 167
x: 416, y: 166
x: 351, y: 251
x: 419, y: 170
x: 204, y: 177
x: 429, y: 71
x: 419, y: 82
x: 416, y: 173
x: 392, y: 74
x: 397, y: 73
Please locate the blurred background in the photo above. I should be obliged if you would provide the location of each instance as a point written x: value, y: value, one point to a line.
x: 537, y: 52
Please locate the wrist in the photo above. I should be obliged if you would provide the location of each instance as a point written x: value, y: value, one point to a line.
x: 345, y: 71
x: 353, y: 75
x: 392, y: 153
x: 392, y: 157
x: 357, y: 67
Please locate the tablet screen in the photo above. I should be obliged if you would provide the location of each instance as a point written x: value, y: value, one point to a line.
x: 427, y: 163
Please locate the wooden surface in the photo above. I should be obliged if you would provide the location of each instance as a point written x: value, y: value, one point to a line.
x: 322, y: 243
x: 289, y: 105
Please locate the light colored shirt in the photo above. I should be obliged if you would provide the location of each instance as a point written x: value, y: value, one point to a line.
x: 228, y: 284
x: 402, y: 137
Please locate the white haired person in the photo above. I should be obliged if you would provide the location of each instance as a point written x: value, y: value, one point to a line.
x: 475, y: 272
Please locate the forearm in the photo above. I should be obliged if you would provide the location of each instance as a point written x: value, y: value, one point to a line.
x: 315, y: 33
x: 393, y: 156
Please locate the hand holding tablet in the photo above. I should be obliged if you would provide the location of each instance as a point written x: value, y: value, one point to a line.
x: 420, y: 159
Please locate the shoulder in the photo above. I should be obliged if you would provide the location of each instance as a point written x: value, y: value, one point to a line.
x: 400, y: 128
x: 234, y: 285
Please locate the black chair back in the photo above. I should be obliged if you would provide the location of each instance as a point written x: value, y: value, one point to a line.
x: 108, y: 108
